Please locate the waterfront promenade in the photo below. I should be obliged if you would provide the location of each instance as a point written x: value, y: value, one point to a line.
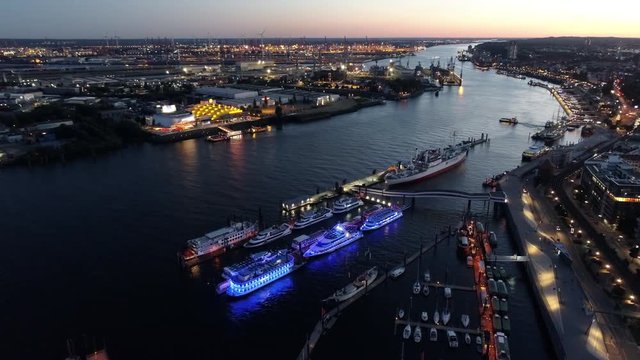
x: 564, y: 291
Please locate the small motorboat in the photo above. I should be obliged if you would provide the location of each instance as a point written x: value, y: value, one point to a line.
x: 479, y: 344
x: 417, y: 334
x: 397, y: 271
x: 406, y: 333
x: 433, y: 334
x: 424, y: 316
x: 446, y: 316
x: 427, y: 276
x: 425, y: 290
x: 469, y: 261
x: 465, y: 320
x: 452, y: 337
x: 467, y: 338
x: 447, y: 292
x: 503, y: 272
x: 400, y: 313
x: 417, y: 287
x: 436, y: 317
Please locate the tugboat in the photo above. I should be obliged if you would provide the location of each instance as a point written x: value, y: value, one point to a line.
x: 511, y: 121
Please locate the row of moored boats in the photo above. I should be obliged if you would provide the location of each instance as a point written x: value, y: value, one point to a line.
x: 262, y: 268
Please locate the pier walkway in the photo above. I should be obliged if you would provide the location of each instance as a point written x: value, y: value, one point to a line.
x: 452, y: 287
x: 495, y: 196
x: 331, y: 316
x: 427, y: 325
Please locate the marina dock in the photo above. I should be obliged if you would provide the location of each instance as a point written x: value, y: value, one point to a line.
x: 428, y: 325
x: 331, y: 316
x: 452, y: 287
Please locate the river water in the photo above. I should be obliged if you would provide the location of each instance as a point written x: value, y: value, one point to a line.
x: 89, y: 247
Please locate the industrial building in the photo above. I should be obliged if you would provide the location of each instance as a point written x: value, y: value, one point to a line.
x: 226, y: 92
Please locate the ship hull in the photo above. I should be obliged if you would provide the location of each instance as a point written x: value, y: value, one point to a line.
x: 431, y: 172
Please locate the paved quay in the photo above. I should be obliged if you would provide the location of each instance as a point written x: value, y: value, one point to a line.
x: 565, y: 292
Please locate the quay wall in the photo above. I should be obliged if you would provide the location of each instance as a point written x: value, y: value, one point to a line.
x: 202, y: 132
x: 518, y: 236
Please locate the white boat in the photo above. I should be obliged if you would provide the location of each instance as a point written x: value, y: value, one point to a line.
x: 427, y: 276
x: 436, y: 317
x: 426, y: 164
x: 417, y: 334
x: 465, y: 320
x: 446, y: 316
x: 333, y: 239
x: 303, y: 242
x: 479, y: 343
x: 397, y: 271
x: 424, y: 316
x: 452, y: 337
x: 358, y: 285
x: 400, y: 313
x: 345, y: 204
x: 219, y: 241
x: 502, y: 346
x: 268, y: 235
x: 433, y: 334
x: 425, y: 290
x: 469, y: 261
x: 407, y: 332
x: 380, y: 218
x: 447, y: 292
x: 467, y: 338
x: 417, y: 287
x: 312, y: 217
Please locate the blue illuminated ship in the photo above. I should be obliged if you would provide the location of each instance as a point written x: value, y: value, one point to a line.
x: 381, y: 218
x: 257, y: 271
x: 333, y: 239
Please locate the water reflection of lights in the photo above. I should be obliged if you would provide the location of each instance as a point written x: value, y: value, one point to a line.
x: 245, y: 307
x: 461, y: 90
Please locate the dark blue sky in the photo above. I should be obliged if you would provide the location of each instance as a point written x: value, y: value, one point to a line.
x: 332, y: 18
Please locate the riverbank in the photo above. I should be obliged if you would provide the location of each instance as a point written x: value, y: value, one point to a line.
x: 340, y: 107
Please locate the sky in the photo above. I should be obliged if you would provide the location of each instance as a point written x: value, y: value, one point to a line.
x: 331, y: 18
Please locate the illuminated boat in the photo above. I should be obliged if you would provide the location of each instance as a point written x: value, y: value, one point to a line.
x: 302, y: 243
x: 333, y: 239
x: 381, y: 218
x: 312, y: 217
x: 219, y: 241
x: 426, y: 164
x: 345, y: 204
x: 217, y: 138
x: 259, y: 272
x: 358, y: 285
x: 268, y: 235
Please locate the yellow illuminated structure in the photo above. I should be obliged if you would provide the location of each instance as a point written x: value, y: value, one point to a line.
x: 213, y: 110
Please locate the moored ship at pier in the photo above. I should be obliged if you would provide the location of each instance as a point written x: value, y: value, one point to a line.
x: 219, y: 241
x: 427, y: 163
x: 259, y: 270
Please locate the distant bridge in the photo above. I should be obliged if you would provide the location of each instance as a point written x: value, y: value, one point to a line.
x: 494, y: 196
